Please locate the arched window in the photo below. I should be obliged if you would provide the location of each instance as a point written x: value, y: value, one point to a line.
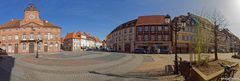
x: 51, y: 45
x: 24, y: 46
x: 3, y: 47
x: 56, y: 45
x: 9, y: 48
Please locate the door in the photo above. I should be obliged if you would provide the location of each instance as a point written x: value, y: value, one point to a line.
x: 45, y: 48
x: 16, y: 49
x: 31, y: 48
x: 127, y: 48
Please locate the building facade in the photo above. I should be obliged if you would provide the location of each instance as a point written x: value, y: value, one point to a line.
x: 20, y: 36
x: 154, y: 33
x: 148, y: 32
x: 122, y: 38
x: 78, y: 41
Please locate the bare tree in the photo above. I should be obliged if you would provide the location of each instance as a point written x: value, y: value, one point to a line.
x: 219, y: 22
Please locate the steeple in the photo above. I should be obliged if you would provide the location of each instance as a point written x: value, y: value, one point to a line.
x: 31, y: 7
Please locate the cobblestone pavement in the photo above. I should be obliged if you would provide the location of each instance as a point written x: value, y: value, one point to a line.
x: 90, y: 66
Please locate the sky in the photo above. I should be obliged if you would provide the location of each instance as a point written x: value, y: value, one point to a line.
x: 100, y: 17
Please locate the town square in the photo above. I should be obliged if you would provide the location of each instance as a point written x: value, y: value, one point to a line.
x: 129, y: 40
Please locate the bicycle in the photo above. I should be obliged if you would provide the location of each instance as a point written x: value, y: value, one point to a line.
x: 228, y: 73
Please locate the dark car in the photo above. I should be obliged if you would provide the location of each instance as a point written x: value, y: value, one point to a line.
x: 140, y: 51
x: 164, y: 51
x: 3, y: 52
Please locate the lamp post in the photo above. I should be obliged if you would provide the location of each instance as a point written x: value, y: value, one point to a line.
x: 38, y: 41
x: 176, y: 26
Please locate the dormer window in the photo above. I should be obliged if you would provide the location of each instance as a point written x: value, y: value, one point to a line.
x: 167, y: 19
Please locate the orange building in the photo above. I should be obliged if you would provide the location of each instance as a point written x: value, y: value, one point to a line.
x: 19, y: 36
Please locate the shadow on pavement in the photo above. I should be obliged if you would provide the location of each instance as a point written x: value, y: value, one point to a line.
x: 6, y: 65
x: 122, y: 76
x: 150, y: 75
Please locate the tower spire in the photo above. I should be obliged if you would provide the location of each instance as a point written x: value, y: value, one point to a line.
x: 31, y: 7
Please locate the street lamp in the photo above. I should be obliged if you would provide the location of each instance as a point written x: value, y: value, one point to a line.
x: 178, y: 24
x: 38, y: 41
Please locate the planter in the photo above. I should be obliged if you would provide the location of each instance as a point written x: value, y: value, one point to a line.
x: 197, y: 75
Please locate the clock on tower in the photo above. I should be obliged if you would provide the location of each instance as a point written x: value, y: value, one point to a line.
x: 31, y: 15
x: 31, y: 12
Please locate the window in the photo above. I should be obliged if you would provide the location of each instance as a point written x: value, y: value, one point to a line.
x: 178, y: 37
x: 31, y: 37
x: 24, y: 37
x: 152, y: 28
x: 139, y: 29
x: 9, y: 48
x: 48, y: 36
x: 45, y: 36
x: 16, y: 37
x: 139, y: 37
x: 56, y: 37
x: 146, y: 28
x: 3, y: 47
x: 9, y: 37
x: 130, y: 37
x: 146, y: 37
x: 51, y: 36
x: 130, y: 30
x: 51, y: 45
x: 3, y: 37
x: 166, y: 37
x: 24, y: 47
x: 152, y: 37
x: 159, y: 37
x: 56, y: 45
x: 159, y: 28
x: 166, y: 28
x: 125, y: 30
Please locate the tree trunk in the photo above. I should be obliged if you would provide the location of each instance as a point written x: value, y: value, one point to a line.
x: 215, y: 42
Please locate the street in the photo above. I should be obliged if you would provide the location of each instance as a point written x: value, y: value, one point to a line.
x: 93, y: 66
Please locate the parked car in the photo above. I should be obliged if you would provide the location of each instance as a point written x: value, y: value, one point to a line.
x: 89, y: 49
x: 3, y: 52
x: 110, y: 50
x: 164, y: 51
x: 140, y: 51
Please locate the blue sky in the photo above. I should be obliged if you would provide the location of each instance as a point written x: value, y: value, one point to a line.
x: 99, y: 17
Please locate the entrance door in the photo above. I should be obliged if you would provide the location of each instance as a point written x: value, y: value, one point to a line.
x: 16, y: 49
x: 31, y: 48
x: 45, y: 48
x: 127, y: 48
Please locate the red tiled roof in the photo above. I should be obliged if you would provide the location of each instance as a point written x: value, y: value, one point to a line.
x: 77, y: 35
x: 16, y: 23
x: 151, y: 20
x: 73, y: 35
x: 12, y: 23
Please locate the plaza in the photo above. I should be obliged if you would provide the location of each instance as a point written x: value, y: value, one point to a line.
x: 92, y: 66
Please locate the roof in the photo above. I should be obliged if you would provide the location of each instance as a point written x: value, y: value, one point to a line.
x: 31, y: 7
x: 77, y: 35
x: 16, y: 23
x: 12, y: 23
x: 73, y: 35
x: 127, y: 24
x: 151, y: 20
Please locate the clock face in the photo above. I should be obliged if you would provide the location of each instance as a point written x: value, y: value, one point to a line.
x: 31, y: 16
